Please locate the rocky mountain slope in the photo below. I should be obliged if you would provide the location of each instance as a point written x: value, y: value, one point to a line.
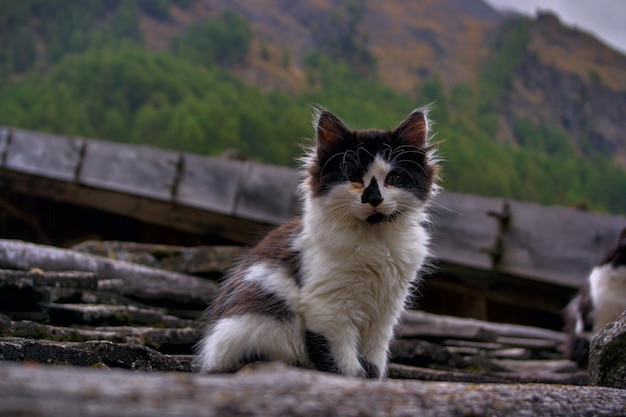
x: 561, y: 77
x: 511, y: 94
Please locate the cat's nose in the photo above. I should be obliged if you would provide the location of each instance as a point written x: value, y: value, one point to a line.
x: 371, y: 194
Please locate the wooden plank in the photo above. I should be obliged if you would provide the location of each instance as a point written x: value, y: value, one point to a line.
x: 5, y: 137
x: 166, y: 214
x: 556, y: 244
x: 198, y: 260
x: 419, y: 323
x: 462, y: 228
x: 210, y: 184
x: 138, y: 170
x: 237, y: 199
x: 268, y: 194
x: 551, y: 244
x: 51, y: 156
x: 139, y: 281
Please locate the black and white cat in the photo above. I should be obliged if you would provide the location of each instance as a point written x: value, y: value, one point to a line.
x: 601, y: 300
x: 325, y: 290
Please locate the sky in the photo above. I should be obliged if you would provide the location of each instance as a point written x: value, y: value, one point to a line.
x: 605, y: 19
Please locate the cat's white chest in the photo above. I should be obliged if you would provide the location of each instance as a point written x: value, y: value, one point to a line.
x: 368, y: 274
x: 608, y: 293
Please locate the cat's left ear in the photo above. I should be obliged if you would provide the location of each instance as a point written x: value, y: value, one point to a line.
x: 330, y: 129
x: 414, y: 129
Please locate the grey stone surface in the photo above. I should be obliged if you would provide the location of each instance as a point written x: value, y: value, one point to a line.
x: 140, y: 170
x: 275, y: 390
x: 607, y: 355
x: 42, y: 154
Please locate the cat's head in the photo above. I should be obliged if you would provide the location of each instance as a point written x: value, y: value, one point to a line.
x: 374, y: 175
x: 616, y: 255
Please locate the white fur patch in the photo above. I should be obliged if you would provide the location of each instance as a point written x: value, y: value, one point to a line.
x: 357, y: 276
x: 233, y: 338
x: 274, y: 280
x: 608, y: 293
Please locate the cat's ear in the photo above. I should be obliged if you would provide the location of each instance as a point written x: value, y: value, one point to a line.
x: 414, y: 129
x: 330, y: 130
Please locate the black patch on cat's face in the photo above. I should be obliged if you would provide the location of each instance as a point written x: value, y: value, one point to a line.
x: 345, y: 155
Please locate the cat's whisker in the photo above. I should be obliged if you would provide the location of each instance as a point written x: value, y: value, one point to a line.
x: 438, y: 206
x: 327, y: 162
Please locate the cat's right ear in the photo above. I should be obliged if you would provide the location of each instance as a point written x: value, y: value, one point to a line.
x: 330, y: 130
x: 414, y: 129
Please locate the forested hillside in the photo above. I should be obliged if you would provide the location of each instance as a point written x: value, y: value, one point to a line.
x: 210, y: 76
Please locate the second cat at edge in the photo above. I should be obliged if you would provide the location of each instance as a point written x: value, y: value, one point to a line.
x: 326, y: 290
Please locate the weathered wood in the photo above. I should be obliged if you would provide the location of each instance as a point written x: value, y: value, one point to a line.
x: 139, y: 281
x: 42, y: 154
x: 551, y: 244
x: 399, y: 371
x: 268, y: 194
x: 276, y: 390
x: 422, y: 324
x: 40, y: 278
x: 210, y: 184
x: 112, y: 315
x: 150, y: 211
x: 86, y: 354
x: 211, y: 261
x: 175, y: 339
x: 139, y: 170
x: 229, y: 199
x: 5, y: 134
x: 462, y: 229
x: 556, y: 244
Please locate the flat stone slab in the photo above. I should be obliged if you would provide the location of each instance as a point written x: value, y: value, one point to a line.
x: 275, y: 390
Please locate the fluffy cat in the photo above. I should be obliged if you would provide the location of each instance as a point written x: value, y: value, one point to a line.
x: 325, y: 290
x: 600, y: 301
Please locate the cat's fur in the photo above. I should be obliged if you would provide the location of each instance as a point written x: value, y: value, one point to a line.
x: 601, y: 300
x: 326, y: 290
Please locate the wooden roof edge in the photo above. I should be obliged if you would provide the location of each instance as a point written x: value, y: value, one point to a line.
x: 548, y: 243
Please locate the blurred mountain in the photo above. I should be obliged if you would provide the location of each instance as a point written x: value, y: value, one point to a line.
x: 560, y: 76
x: 535, y: 108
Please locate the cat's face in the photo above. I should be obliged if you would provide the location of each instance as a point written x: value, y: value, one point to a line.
x: 373, y: 175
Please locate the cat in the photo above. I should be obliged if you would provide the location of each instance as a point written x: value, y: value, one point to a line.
x: 601, y: 300
x: 325, y: 290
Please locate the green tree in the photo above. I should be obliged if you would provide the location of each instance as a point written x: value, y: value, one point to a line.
x: 223, y: 41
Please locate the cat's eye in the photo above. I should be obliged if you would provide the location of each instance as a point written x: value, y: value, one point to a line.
x: 392, y: 179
